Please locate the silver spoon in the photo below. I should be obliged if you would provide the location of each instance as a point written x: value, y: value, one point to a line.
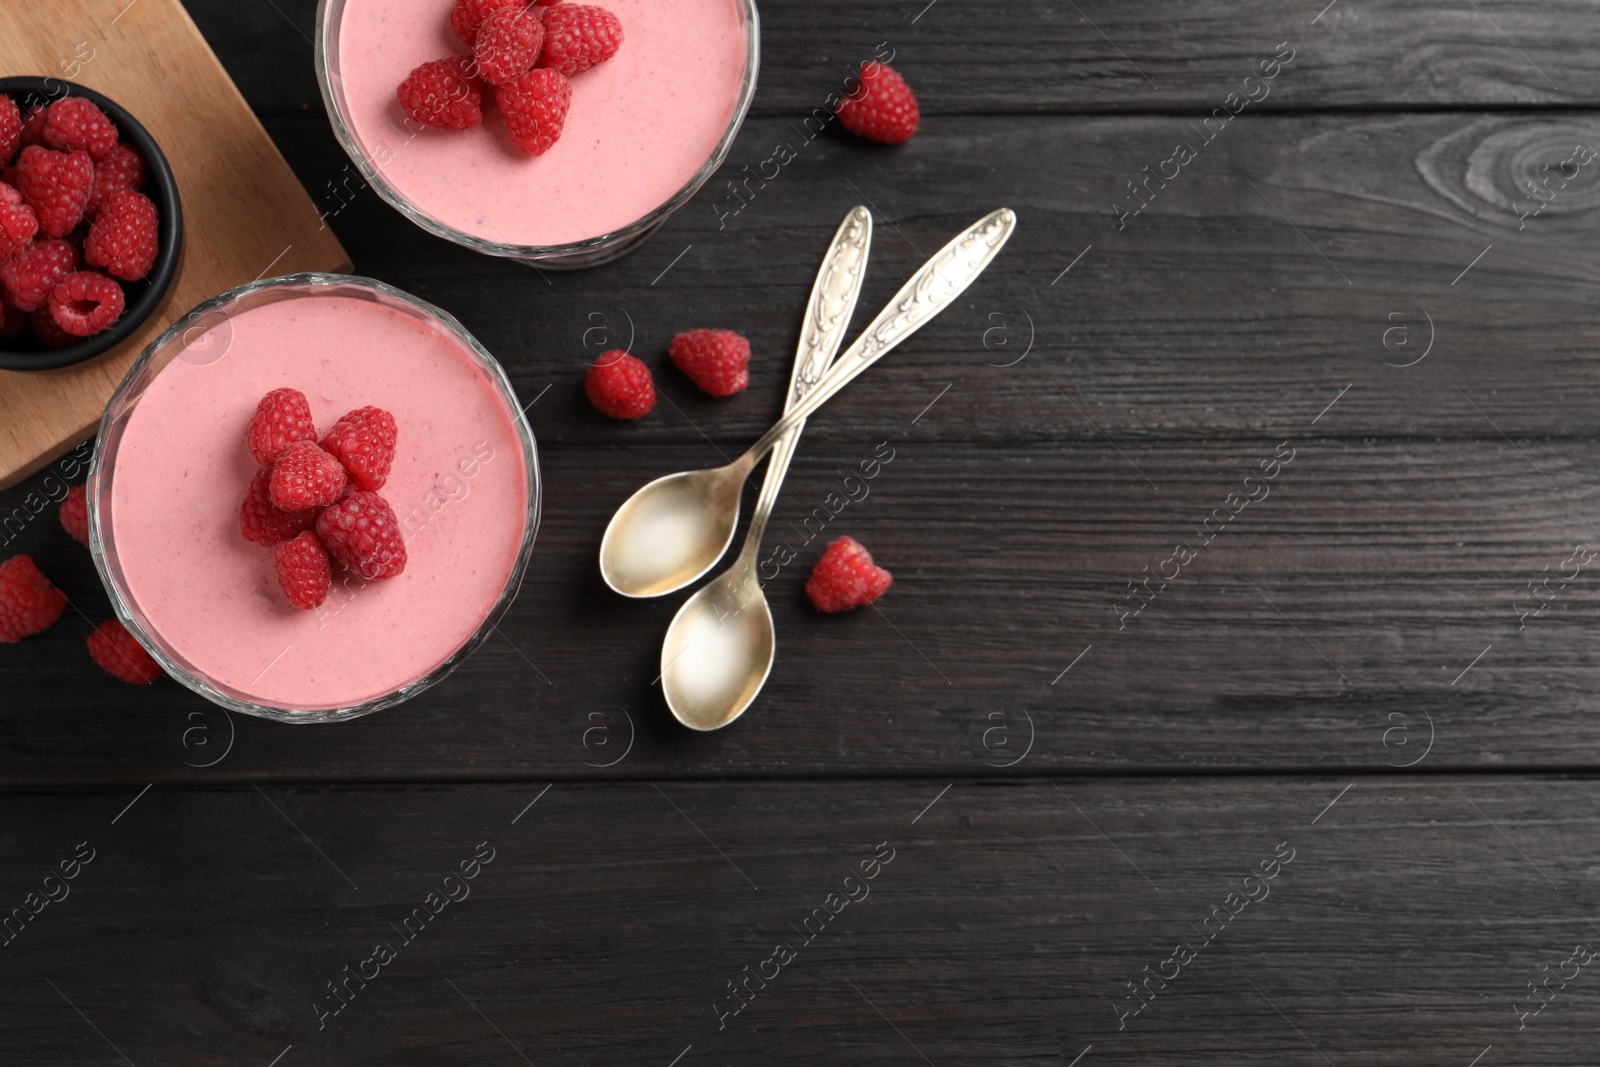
x: 719, y: 649
x: 673, y: 530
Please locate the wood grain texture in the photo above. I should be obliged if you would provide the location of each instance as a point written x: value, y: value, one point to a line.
x: 1004, y: 929
x: 244, y: 214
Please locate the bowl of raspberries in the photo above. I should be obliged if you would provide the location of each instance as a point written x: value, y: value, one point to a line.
x: 90, y: 225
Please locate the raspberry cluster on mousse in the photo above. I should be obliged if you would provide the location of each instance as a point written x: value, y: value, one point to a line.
x: 522, y: 55
x: 314, y: 501
x: 73, y: 224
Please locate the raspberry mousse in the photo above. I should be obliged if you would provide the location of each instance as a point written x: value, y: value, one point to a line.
x: 642, y: 131
x: 238, y: 597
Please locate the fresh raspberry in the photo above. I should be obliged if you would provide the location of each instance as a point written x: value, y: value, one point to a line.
x: 49, y: 334
x: 303, y: 570
x: 10, y: 128
x: 304, y: 476
x: 56, y: 185
x: 620, y: 385
x: 74, y: 124
x: 845, y: 577
x: 535, y: 107
x: 120, y: 654
x: 882, y: 108
x: 85, y: 303
x: 18, y: 223
x: 444, y: 94
x: 125, y: 236
x: 362, y: 533
x: 717, y: 360
x: 578, y: 36
x: 14, y: 323
x: 264, y: 523
x: 282, y: 418
x: 467, y: 18
x: 508, y: 42
x: 33, y: 125
x: 122, y: 169
x: 28, y: 602
x: 32, y: 273
x: 75, y: 514
x: 363, y: 441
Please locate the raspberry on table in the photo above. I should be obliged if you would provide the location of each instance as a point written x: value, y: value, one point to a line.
x: 442, y: 93
x: 262, y: 522
x: 620, y: 385
x: 120, y: 654
x: 86, y: 302
x: 74, y: 124
x: 361, y: 532
x: 45, y: 329
x: 578, y: 36
x: 467, y: 17
x: 282, y: 417
x: 304, y: 476
x: 845, y: 577
x: 75, y: 514
x: 882, y: 108
x: 535, y: 109
x: 303, y: 570
x: 718, y: 361
x: 18, y: 223
x: 125, y: 237
x: 363, y: 441
x: 10, y: 128
x: 33, y: 272
x: 56, y: 185
x: 508, y: 43
x: 121, y: 169
x: 28, y: 602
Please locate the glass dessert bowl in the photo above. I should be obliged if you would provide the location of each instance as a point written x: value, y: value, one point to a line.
x: 171, y: 468
x: 644, y: 131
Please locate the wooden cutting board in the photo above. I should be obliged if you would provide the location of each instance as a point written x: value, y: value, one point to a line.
x: 245, y: 215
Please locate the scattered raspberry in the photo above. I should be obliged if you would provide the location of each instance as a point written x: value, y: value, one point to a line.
x: 362, y: 533
x: 85, y: 303
x: 32, y: 273
x: 508, y: 43
x: 28, y: 602
x: 122, y: 169
x: 303, y: 570
x: 619, y: 385
x: 846, y: 578
x: 304, y: 476
x: 443, y: 94
x: 882, y: 108
x: 15, y: 325
x: 33, y: 125
x: 125, y: 237
x: 120, y: 654
x: 49, y: 334
x: 282, y: 418
x: 264, y: 523
x: 75, y: 124
x: 75, y: 514
x: 535, y: 107
x: 56, y: 185
x: 18, y: 223
x: 10, y: 128
x: 578, y: 36
x: 717, y: 360
x: 363, y: 441
x: 467, y: 18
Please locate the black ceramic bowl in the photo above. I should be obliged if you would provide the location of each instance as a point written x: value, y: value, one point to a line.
x: 144, y: 295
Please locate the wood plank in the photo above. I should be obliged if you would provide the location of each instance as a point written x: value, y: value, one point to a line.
x: 1340, y: 622
x: 1003, y: 930
x: 244, y: 214
x: 1043, y: 55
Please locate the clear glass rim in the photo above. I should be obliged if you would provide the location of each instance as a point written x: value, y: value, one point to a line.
x: 326, y: 44
x: 126, y: 398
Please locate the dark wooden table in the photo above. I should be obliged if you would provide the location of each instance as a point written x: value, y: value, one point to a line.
x: 1322, y: 793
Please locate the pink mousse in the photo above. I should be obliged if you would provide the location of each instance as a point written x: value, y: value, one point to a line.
x: 459, y: 488
x: 640, y: 127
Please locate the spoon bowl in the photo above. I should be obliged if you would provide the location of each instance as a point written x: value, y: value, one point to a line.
x: 718, y: 650
x: 671, y: 531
